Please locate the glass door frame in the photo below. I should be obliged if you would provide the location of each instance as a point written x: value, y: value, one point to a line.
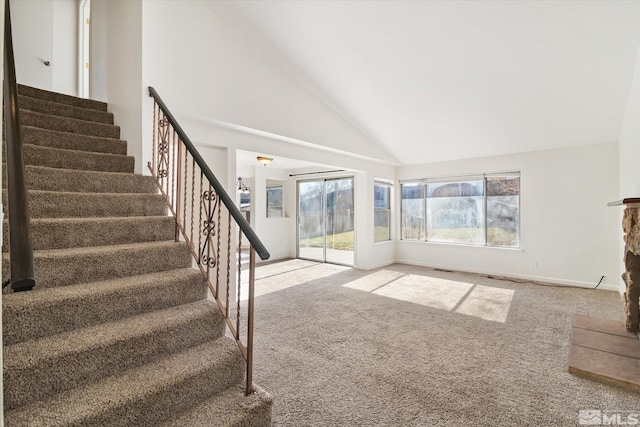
x: 324, y: 217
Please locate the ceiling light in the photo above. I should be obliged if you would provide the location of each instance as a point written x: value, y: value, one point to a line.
x: 265, y: 160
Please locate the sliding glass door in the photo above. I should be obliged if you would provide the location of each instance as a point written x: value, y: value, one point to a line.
x: 311, y: 220
x: 326, y: 220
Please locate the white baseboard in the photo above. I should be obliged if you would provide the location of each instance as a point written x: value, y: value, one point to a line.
x: 543, y: 279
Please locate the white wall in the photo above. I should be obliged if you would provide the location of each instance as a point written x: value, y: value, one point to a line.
x: 566, y: 226
x: 629, y: 176
x: 125, y: 93
x: 630, y: 140
x: 276, y: 233
x: 203, y: 66
x: 46, y: 30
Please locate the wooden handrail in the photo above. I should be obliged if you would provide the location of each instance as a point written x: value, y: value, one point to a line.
x: 20, y: 243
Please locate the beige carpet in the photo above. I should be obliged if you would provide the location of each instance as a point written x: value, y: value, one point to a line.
x: 412, y: 346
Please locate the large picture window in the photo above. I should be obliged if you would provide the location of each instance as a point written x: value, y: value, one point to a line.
x: 476, y: 210
x: 382, y: 211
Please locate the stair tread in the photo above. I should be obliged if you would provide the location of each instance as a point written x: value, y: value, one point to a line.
x: 227, y: 409
x: 86, y: 181
x: 64, y: 267
x: 92, y: 194
x: 60, y: 362
x: 64, y: 110
x: 27, y: 353
x: 68, y: 124
x: 19, y: 300
x: 63, y: 158
x: 61, y: 97
x: 97, y: 220
x: 59, y: 204
x: 60, y: 253
x: 54, y: 310
x: 59, y: 233
x: 87, y: 404
x: 48, y: 137
x: 69, y: 151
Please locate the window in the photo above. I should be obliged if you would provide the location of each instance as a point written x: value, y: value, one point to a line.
x: 274, y: 202
x: 455, y: 210
x: 476, y: 210
x: 413, y: 211
x: 382, y: 211
x: 503, y: 209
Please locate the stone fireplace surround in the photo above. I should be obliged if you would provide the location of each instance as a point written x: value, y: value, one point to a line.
x: 631, y: 276
x: 605, y: 350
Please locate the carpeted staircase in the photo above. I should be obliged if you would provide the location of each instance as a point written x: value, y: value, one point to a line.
x: 119, y: 330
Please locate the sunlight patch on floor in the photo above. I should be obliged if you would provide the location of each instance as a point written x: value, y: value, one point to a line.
x: 374, y: 281
x: 301, y: 274
x: 429, y: 291
x: 480, y: 301
x: 487, y: 303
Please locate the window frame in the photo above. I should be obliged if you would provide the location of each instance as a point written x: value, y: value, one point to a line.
x: 423, y: 183
x: 281, y: 207
x: 458, y: 179
x: 389, y: 187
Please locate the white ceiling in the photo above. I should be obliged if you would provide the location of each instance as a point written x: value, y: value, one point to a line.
x: 432, y: 81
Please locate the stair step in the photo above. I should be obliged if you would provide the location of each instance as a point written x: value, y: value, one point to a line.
x: 79, y: 181
x: 141, y: 396
x: 73, y: 159
x: 71, y: 141
x: 65, y: 124
x: 37, y: 369
x: 227, y: 409
x: 58, y: 204
x: 61, y: 98
x: 64, y: 110
x: 61, y: 267
x: 45, y: 312
x: 61, y: 233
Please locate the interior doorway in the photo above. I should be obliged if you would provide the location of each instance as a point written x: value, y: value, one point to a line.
x: 326, y: 229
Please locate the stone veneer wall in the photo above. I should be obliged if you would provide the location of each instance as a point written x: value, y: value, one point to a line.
x: 631, y: 276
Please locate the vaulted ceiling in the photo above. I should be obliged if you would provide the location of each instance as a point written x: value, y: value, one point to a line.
x: 433, y: 81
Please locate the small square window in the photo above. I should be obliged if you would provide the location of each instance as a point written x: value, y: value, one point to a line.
x: 274, y: 202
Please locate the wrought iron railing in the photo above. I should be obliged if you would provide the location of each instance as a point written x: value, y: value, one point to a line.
x: 208, y: 220
x: 20, y: 244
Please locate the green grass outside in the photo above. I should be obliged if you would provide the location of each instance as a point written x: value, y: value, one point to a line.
x: 339, y: 241
x: 342, y: 241
x: 495, y: 237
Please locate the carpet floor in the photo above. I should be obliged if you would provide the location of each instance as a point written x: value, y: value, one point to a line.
x: 412, y: 346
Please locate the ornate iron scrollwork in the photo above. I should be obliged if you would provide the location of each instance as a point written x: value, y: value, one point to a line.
x: 163, y: 147
x: 209, y: 205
